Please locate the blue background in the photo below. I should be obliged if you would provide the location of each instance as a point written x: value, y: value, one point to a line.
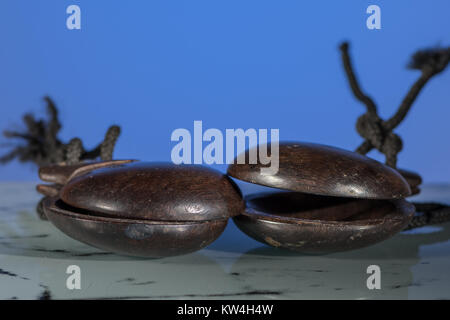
x: 154, y: 66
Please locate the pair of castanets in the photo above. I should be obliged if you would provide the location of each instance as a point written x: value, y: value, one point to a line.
x: 326, y: 200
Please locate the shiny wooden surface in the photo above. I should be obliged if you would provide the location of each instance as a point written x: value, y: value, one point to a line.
x: 323, y: 170
x: 315, y: 224
x: 140, y: 209
x: 140, y: 238
x: 155, y: 191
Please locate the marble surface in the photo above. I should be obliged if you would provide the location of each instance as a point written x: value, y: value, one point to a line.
x: 34, y: 257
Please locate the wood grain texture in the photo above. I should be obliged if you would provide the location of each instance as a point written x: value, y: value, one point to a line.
x: 155, y: 191
x: 323, y: 170
x: 322, y: 224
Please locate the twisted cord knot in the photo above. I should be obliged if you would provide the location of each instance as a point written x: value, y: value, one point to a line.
x: 372, y: 129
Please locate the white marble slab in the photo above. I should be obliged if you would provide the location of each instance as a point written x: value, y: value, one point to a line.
x: 34, y: 257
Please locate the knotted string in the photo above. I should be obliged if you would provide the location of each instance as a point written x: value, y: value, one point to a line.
x: 43, y: 147
x: 378, y: 133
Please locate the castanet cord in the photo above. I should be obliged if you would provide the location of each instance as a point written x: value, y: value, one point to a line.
x: 40, y: 143
x: 378, y: 133
x: 428, y: 213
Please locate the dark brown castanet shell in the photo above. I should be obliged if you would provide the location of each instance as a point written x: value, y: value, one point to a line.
x: 318, y: 224
x: 141, y: 238
x: 141, y: 209
x: 155, y: 191
x: 414, y: 180
x: 324, y: 170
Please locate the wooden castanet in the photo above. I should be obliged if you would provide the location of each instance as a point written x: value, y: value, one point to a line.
x: 338, y: 200
x: 140, y: 238
x: 155, y: 191
x: 143, y: 209
x: 323, y: 170
x: 360, y: 223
